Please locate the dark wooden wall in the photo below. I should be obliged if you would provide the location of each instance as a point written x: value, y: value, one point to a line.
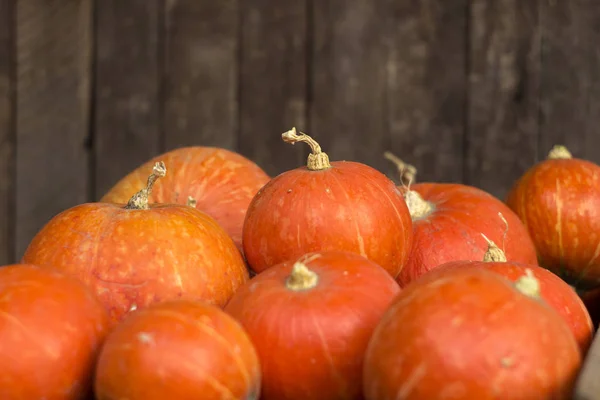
x: 472, y: 91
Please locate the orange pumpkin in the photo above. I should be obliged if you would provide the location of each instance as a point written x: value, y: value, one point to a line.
x: 137, y: 254
x: 221, y: 181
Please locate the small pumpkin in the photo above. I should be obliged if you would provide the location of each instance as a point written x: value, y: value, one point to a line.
x: 137, y: 254
x: 310, y: 320
x: 221, y: 181
x: 178, y: 350
x: 448, y: 219
x: 470, y: 333
x: 51, y: 331
x: 558, y: 200
x: 340, y: 205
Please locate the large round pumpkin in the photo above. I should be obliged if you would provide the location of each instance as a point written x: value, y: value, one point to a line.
x: 325, y: 205
x: 137, y: 254
x: 448, y: 220
x: 221, y: 181
x: 51, y: 330
x: 310, y: 320
x: 178, y: 350
x: 558, y: 199
x: 470, y: 333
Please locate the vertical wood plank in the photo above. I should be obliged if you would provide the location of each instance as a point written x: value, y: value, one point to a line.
x: 426, y: 74
x: 53, y: 92
x: 7, y: 138
x: 126, y: 88
x: 273, y: 81
x: 504, y: 80
x: 348, y: 112
x: 570, y: 85
x: 201, y: 67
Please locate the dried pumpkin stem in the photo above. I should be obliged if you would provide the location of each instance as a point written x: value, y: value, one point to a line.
x: 139, y: 201
x: 407, y: 172
x: 494, y: 253
x: 559, y: 152
x: 317, y: 160
x: 191, y: 202
x: 301, y: 278
x: 528, y: 284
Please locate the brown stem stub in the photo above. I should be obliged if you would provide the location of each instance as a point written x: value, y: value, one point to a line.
x: 407, y: 172
x: 191, y: 202
x: 139, y: 201
x: 528, y: 284
x: 301, y: 278
x: 493, y: 253
x: 559, y: 152
x: 317, y: 160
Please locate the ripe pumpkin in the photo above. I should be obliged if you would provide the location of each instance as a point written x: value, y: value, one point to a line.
x: 325, y: 205
x: 310, y: 320
x: 448, y: 219
x: 51, y: 330
x: 137, y: 254
x: 558, y: 200
x: 178, y: 350
x: 555, y: 292
x: 221, y: 181
x: 469, y: 333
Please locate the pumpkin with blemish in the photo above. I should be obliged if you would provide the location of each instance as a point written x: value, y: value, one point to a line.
x: 135, y: 254
x: 221, y: 181
x: 470, y: 333
x: 448, y: 219
x: 558, y: 199
x: 310, y: 320
x: 325, y: 205
x: 178, y: 350
x: 51, y: 331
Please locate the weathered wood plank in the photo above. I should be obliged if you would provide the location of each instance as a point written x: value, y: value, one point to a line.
x: 504, y: 80
x: 570, y: 80
x: 54, y: 49
x: 588, y: 384
x: 127, y: 88
x: 201, y: 66
x: 273, y: 81
x: 7, y: 138
x: 426, y: 75
x: 348, y: 91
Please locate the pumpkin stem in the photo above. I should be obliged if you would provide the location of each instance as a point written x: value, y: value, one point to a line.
x: 191, y: 202
x: 493, y: 253
x: 407, y: 172
x: 418, y: 207
x: 301, y: 278
x: 559, y: 152
x: 528, y: 284
x: 139, y: 201
x: 317, y: 160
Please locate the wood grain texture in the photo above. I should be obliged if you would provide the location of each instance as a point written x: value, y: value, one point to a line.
x: 426, y: 80
x: 504, y: 80
x: 570, y: 79
x: 127, y: 119
x: 273, y: 70
x: 7, y: 138
x: 201, y: 67
x: 349, y: 80
x: 53, y: 92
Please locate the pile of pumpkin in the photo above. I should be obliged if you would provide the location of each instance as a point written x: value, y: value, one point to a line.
x: 197, y: 276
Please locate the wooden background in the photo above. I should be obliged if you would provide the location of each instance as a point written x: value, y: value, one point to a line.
x: 473, y: 91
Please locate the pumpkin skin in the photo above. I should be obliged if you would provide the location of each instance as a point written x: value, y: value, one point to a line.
x: 51, y: 330
x: 451, y: 229
x: 311, y: 339
x: 558, y: 199
x: 133, y: 257
x: 470, y: 333
x: 221, y: 181
x: 178, y: 350
x: 346, y: 206
x: 555, y: 292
